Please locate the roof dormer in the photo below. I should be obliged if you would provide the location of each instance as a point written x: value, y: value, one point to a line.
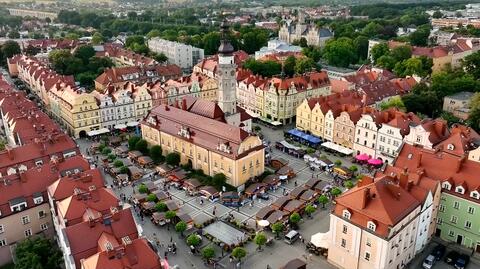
x: 346, y: 214
x: 371, y: 226
x: 475, y: 194
x: 460, y: 189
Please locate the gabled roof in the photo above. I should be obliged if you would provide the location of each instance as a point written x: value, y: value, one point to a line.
x: 65, y: 186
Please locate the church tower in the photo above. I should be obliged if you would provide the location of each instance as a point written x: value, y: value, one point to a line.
x: 227, y: 96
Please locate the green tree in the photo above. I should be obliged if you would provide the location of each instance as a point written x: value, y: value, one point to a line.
x: 219, y: 180
x: 123, y: 170
x: 134, y: 39
x: 353, y: 168
x: 118, y: 163
x: 336, y: 192
x: 170, y: 215
x: 372, y: 29
x: 211, y: 43
x: 313, y: 53
x: 38, y: 252
x: 239, y: 253
x: 294, y: 218
x: 111, y: 157
x: 260, y: 240
x: 161, y: 207
x: 151, y: 198
x: 142, y: 146
x: 340, y: 52
x: 86, y: 79
x: 471, y: 64
x: 254, y: 40
x: 323, y: 199
x: 13, y: 34
x: 72, y: 36
x: 338, y: 163
x: 379, y: 50
x: 394, y: 102
x: 173, y: 159
x: 277, y: 228
x: 361, y: 46
x: 106, y: 151
x: 156, y: 153
x: 412, y: 66
x: 309, y: 209
x: 194, y: 240
x: 97, y: 38
x: 153, y: 33
x: 142, y: 188
x: 180, y: 227
x: 160, y: 57
x: 208, y: 253
x: 10, y: 48
x: 437, y: 14
x: 401, y: 53
x: 348, y: 184
x: 450, y: 118
x: 420, y: 37
x: 132, y: 141
x: 474, y: 116
x: 304, y: 65
x: 386, y: 61
x: 289, y: 66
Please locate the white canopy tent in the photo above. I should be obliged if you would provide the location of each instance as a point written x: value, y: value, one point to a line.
x: 132, y: 123
x: 98, y: 132
x: 321, y: 240
x: 120, y: 126
x: 337, y: 148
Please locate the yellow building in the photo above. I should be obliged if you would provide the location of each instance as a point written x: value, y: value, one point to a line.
x: 205, y: 143
x: 77, y: 109
x: 208, y: 89
x: 142, y: 100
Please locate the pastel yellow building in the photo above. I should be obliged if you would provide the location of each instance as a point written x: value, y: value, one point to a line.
x: 77, y: 109
x: 205, y: 143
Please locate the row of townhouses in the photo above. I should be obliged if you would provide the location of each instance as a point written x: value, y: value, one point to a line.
x: 48, y: 189
x: 386, y: 220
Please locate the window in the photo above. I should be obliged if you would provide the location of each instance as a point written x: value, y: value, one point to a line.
x: 44, y: 226
x: 468, y: 224
x: 3, y: 242
x: 451, y: 233
x: 454, y: 219
x: 456, y: 205
x: 28, y: 232
x: 441, y: 208
x: 368, y: 243
x: 345, y: 229
x: 367, y: 256
x: 471, y: 210
x: 41, y: 214
x: 439, y: 221
x: 25, y: 220
x: 2, y: 230
x: 38, y: 200
x: 346, y: 214
x: 344, y: 243
x: 371, y: 226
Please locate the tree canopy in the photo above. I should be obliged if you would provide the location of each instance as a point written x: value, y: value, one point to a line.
x: 38, y: 253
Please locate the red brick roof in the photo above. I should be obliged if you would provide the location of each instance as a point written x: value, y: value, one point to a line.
x: 120, y: 74
x: 211, y: 63
x: 65, y: 186
x: 136, y: 255
x: 462, y: 139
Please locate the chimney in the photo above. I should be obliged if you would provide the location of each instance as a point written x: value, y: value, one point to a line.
x: 115, y: 213
x: 409, y: 185
x: 10, y: 153
x: 419, y: 160
x: 23, y: 177
x: 365, y: 197
x: 184, y: 104
x: 403, y: 179
x: 365, y: 180
x: 91, y: 221
x: 459, y: 163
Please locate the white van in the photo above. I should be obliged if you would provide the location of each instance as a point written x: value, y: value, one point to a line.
x: 291, y: 237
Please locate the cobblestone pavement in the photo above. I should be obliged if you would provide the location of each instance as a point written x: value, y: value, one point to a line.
x: 275, y: 256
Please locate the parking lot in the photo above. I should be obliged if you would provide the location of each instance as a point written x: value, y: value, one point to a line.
x: 418, y: 260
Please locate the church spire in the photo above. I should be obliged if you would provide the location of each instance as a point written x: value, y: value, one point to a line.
x: 226, y: 47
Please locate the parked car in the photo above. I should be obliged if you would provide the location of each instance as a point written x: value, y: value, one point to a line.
x: 438, y: 251
x: 429, y: 262
x: 462, y: 261
x: 291, y: 237
x: 451, y: 257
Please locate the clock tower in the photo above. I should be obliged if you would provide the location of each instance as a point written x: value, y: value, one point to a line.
x: 227, y: 96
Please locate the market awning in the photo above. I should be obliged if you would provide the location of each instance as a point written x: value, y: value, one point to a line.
x: 276, y: 123
x: 120, y: 126
x: 132, y: 123
x: 337, y: 148
x: 309, y: 138
x: 321, y: 240
x: 98, y: 132
x: 252, y: 114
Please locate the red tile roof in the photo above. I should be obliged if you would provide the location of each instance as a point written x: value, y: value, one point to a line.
x: 73, y: 208
x: 462, y: 139
x: 211, y: 63
x: 138, y: 73
x: 205, y: 132
x: 87, y: 238
x: 135, y: 255
x: 383, y: 202
x: 66, y: 185
x: 34, y: 182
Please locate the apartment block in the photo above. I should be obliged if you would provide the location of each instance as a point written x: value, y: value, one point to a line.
x: 185, y: 56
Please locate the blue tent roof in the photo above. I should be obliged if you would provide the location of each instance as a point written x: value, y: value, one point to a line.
x: 310, y: 138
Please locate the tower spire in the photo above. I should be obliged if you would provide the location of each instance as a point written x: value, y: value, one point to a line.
x: 226, y: 47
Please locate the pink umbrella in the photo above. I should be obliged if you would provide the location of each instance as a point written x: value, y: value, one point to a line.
x: 375, y: 162
x: 362, y: 157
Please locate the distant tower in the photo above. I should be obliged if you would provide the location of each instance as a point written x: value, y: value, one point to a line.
x: 227, y: 97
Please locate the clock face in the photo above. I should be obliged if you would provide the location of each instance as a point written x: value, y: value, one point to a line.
x: 232, y: 73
